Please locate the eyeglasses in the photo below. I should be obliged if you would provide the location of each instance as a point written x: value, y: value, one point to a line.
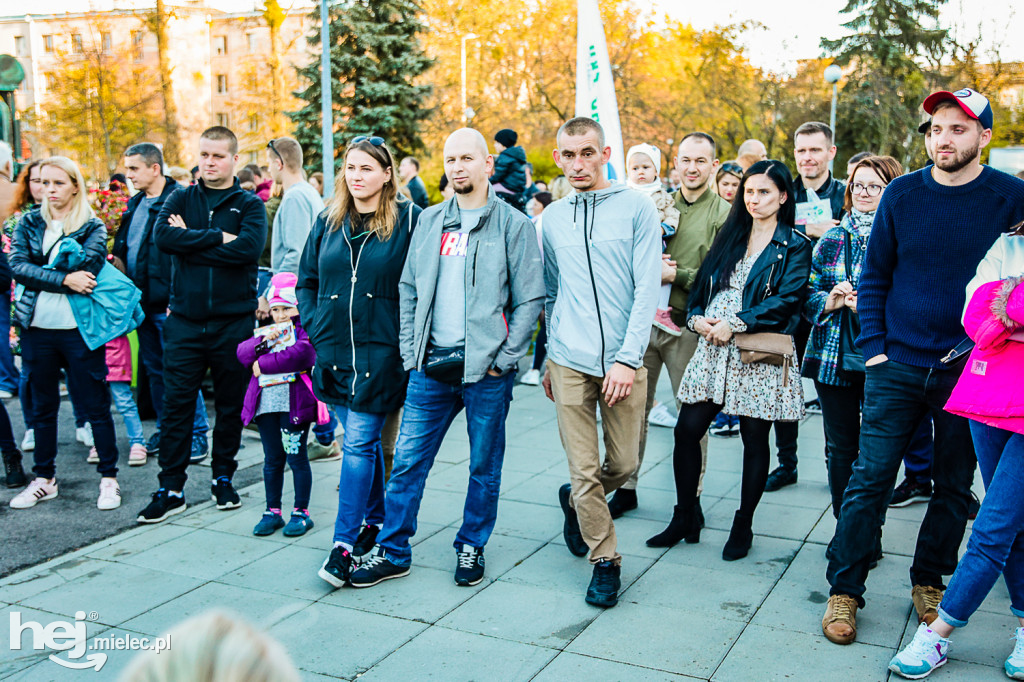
x: 271, y: 147
x: 375, y: 140
x: 870, y: 190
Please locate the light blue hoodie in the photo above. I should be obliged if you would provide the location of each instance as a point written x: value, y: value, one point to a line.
x: 602, y: 272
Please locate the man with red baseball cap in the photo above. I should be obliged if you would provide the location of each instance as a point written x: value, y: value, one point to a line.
x: 932, y: 228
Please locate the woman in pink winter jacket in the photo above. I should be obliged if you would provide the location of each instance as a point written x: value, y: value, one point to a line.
x: 990, y: 393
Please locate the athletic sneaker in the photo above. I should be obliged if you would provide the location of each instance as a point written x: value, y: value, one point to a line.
x: 83, y: 434
x: 911, y: 492
x: 162, y: 506
x: 531, y: 378
x: 571, y: 532
x: 153, y: 445
x: 604, y: 585
x: 661, y: 416
x: 725, y: 426
x: 38, y: 490
x: 1014, y: 665
x: 270, y: 522
x: 376, y: 569
x: 28, y: 443
x: 663, y: 321
x: 926, y: 652
x: 469, y: 566
x: 223, y: 493
x: 14, y: 474
x: 317, y: 451
x: 200, y: 446
x: 365, y: 541
x: 137, y: 455
x: 813, y: 406
x: 110, y: 494
x: 93, y: 456
x: 337, y: 568
x: 298, y: 524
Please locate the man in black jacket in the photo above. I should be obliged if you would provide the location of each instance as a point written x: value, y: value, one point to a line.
x: 215, y: 233
x: 150, y: 270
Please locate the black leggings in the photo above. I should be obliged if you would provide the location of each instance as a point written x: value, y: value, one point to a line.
x: 694, y: 420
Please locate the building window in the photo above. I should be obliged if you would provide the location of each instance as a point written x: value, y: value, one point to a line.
x: 254, y: 157
x: 251, y: 41
x: 76, y: 43
x: 220, y: 45
x: 48, y: 43
x: 222, y: 84
x: 44, y: 82
x: 254, y: 123
x: 20, y: 46
x: 137, y: 38
x: 105, y: 42
x: 223, y: 120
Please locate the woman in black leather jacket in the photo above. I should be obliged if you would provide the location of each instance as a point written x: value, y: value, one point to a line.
x: 50, y: 338
x: 754, y: 280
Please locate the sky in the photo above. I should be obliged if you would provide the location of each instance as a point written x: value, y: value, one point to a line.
x: 793, y: 28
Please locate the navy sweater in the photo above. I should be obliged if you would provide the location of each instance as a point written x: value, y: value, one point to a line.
x: 925, y: 245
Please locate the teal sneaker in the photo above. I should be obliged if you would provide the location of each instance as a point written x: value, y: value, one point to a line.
x: 298, y: 524
x: 270, y: 522
x: 1014, y: 665
x: 926, y: 652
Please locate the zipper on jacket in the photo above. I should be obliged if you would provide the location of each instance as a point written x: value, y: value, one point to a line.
x: 593, y: 283
x: 351, y: 297
x: 768, y: 284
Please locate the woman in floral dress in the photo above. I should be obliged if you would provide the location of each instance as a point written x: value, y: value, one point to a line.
x: 753, y: 280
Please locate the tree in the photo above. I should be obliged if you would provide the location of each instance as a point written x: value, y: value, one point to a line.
x: 376, y: 63
x: 158, y: 23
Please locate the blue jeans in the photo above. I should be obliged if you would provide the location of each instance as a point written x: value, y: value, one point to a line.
x: 896, y: 398
x: 151, y: 354
x: 324, y: 433
x: 918, y: 460
x: 997, y: 543
x: 9, y: 375
x: 361, y: 488
x: 121, y: 392
x: 284, y: 442
x: 430, y: 407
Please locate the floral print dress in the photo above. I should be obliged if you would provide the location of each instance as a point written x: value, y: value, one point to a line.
x: 716, y: 373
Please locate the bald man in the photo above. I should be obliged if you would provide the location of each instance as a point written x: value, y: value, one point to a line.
x: 470, y: 296
x: 755, y: 148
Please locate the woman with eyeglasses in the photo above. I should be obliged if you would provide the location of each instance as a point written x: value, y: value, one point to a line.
x: 348, y: 298
x: 831, y: 304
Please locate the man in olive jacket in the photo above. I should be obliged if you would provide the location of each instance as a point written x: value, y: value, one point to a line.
x: 470, y: 295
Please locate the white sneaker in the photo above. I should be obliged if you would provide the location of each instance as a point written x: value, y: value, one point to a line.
x: 926, y: 652
x: 38, y: 490
x: 661, y: 416
x: 1014, y: 665
x: 94, y: 456
x: 110, y: 494
x: 83, y: 435
x: 28, y: 443
x: 531, y: 378
x: 5, y: 395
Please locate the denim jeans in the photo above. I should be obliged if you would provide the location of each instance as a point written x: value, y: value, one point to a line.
x: 840, y: 414
x: 918, y: 460
x: 896, y: 398
x: 9, y: 375
x: 121, y: 392
x: 430, y: 407
x: 284, y: 442
x: 996, y: 544
x: 361, y: 489
x: 151, y: 354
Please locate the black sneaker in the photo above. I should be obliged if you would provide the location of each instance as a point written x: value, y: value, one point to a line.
x: 337, y: 569
x: 779, y: 479
x: 911, y: 492
x: 622, y: 501
x: 162, y: 506
x: 14, y: 475
x: 469, y: 569
x: 972, y: 509
x: 365, y: 541
x: 224, y: 494
x: 813, y: 406
x: 153, y: 445
x: 376, y: 569
x: 200, y: 447
x: 571, y: 528
x: 604, y: 586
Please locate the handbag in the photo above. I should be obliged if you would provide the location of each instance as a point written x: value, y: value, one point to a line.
x: 850, y: 360
x: 447, y: 365
x: 768, y: 348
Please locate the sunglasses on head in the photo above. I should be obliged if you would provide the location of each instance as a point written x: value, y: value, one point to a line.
x: 375, y: 140
x: 271, y: 147
x: 732, y: 168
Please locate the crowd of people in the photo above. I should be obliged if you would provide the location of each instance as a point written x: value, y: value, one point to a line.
x: 898, y: 295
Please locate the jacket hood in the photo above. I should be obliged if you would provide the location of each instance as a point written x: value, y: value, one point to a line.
x: 517, y: 152
x: 597, y: 196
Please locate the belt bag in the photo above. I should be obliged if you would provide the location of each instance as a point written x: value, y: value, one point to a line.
x: 447, y: 365
x: 767, y: 348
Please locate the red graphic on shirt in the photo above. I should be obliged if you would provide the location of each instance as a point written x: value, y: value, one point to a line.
x: 454, y: 244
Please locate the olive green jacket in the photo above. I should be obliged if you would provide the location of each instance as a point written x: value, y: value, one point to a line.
x: 699, y: 224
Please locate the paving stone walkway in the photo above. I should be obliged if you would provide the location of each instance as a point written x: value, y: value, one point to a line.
x: 684, y: 613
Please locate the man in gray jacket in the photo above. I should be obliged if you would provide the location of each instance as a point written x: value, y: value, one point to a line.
x: 602, y: 270
x: 470, y: 296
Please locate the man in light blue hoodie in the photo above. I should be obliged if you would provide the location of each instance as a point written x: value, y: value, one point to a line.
x: 602, y: 271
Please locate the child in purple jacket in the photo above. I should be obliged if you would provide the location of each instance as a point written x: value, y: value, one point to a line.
x: 282, y: 410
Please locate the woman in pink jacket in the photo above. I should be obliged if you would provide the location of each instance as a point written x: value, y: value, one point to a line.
x: 990, y: 393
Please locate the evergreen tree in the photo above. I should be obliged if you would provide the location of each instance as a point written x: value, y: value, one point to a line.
x: 376, y: 62
x: 885, y: 55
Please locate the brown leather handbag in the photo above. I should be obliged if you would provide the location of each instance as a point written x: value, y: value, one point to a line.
x: 768, y: 348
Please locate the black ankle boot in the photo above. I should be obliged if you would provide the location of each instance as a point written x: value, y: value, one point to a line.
x: 681, y: 526
x: 741, y: 537
x: 693, y: 537
x: 14, y: 475
x: 622, y: 501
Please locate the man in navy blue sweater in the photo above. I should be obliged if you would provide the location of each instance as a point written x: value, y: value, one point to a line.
x: 932, y: 229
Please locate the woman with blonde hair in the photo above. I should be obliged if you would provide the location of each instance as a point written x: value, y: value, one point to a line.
x: 348, y: 297
x: 50, y: 337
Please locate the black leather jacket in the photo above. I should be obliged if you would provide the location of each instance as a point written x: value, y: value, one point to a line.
x: 28, y: 259
x: 776, y: 287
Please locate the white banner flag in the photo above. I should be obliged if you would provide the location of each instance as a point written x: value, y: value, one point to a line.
x: 595, y: 89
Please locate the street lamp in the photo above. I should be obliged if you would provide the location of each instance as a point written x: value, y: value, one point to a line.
x: 832, y: 75
x: 326, y: 108
x: 465, y: 110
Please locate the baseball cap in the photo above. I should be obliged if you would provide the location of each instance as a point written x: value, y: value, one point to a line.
x: 925, y: 126
x: 972, y: 102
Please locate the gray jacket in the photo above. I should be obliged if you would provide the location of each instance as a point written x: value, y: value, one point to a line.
x: 504, y: 286
x: 602, y: 271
